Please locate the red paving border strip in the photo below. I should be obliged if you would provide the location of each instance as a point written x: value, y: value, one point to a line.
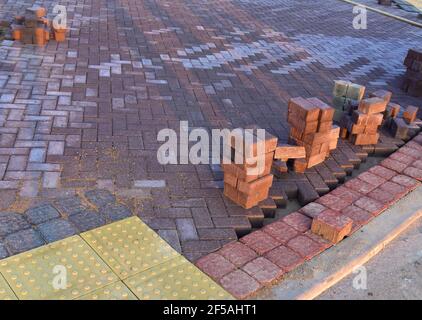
x: 262, y: 257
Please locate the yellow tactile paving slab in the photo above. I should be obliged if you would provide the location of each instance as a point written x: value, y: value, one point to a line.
x: 129, y: 246
x: 31, y: 274
x: 5, y: 292
x: 115, y: 291
x: 177, y: 279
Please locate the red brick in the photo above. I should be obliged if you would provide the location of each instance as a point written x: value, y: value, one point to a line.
x: 371, y: 178
x: 237, y: 253
x: 332, y: 226
x: 285, y: 258
x: 260, y: 242
x: 370, y: 205
x: 412, y: 152
x: 413, y: 145
x: 396, y: 190
x: 405, y: 181
x: 410, y: 114
x: 312, y: 209
x: 382, y: 196
x: 393, y: 165
x: 306, y: 247
x: 401, y: 157
x: 280, y: 231
x: 298, y: 221
x: 414, y: 173
x: 417, y: 164
x: 215, y: 265
x: 346, y: 194
x: 263, y: 270
x: 240, y: 284
x: 372, y: 105
x: 332, y: 202
x: 318, y: 239
x: 358, y: 215
x: 382, y: 172
x: 360, y: 186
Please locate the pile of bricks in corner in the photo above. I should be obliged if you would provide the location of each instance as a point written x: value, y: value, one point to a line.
x: 412, y: 82
x: 311, y: 122
x: 245, y: 183
x: 346, y: 95
x: 35, y: 28
x: 360, y: 123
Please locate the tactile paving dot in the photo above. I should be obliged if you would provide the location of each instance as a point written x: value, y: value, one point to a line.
x: 177, y: 279
x: 5, y: 292
x: 129, y: 246
x: 31, y: 275
x: 115, y: 291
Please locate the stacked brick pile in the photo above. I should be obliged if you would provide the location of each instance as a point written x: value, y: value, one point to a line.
x: 242, y: 184
x: 346, y: 95
x: 361, y: 125
x: 412, y: 83
x: 34, y: 28
x: 405, y: 126
x: 311, y: 122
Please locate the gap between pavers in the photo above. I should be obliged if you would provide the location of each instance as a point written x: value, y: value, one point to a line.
x: 317, y: 275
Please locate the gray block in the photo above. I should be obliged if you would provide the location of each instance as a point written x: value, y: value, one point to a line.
x: 23, y: 240
x: 42, y: 213
x: 115, y: 212
x: 87, y: 220
x: 100, y: 197
x: 11, y: 222
x: 57, y: 229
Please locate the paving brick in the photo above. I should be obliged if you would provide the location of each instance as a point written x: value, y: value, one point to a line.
x: 305, y: 247
x: 51, y: 180
x: 413, y: 173
x: 405, y: 181
x: 281, y: 231
x: 260, y: 242
x: 371, y: 178
x: 382, y: 196
x: 312, y: 209
x: 237, y: 253
x: 114, y: 212
x: 396, y: 190
x: 382, y: 172
x: 11, y: 222
x: 332, y: 202
x: 99, y: 197
x: 56, y: 229
x: 393, y: 165
x: 240, y: 284
x: 332, y: 226
x: 358, y: 215
x: 298, y: 221
x: 285, y: 258
x: 41, y: 213
x: 217, y: 234
x: 263, y: 270
x: 401, y: 157
x: 70, y: 205
x: 360, y: 186
x: 23, y: 240
x: 37, y: 155
x: 215, y: 265
x: 55, y: 148
x: 346, y: 194
x: 172, y: 238
x: 87, y: 220
x: 371, y: 205
x: 186, y: 228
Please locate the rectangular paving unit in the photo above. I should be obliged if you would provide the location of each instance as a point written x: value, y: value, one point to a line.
x: 129, y: 246
x: 31, y: 274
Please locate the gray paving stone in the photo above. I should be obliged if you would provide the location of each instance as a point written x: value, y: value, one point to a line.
x: 150, y: 184
x: 24, y: 240
x: 11, y: 222
x: 100, y: 198
x: 187, y: 229
x: 172, y: 238
x: 3, y: 251
x: 57, y: 229
x: 87, y: 220
x: 70, y: 206
x: 41, y: 214
x: 115, y: 212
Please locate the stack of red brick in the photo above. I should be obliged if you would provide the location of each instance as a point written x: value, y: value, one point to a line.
x: 311, y: 122
x: 245, y: 183
x: 34, y: 28
x: 405, y: 126
x: 413, y: 78
x: 361, y: 125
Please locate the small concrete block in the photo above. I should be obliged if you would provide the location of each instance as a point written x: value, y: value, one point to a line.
x: 42, y: 213
x: 70, y: 206
x: 332, y: 226
x: 23, y: 241
x: 57, y: 229
x: 87, y: 220
x: 114, y: 212
x: 100, y: 198
x: 12, y: 222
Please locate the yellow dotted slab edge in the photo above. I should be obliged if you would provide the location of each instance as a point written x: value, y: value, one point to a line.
x: 115, y: 291
x: 177, y: 279
x: 6, y: 293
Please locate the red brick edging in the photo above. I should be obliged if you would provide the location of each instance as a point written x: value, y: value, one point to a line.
x: 264, y: 256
